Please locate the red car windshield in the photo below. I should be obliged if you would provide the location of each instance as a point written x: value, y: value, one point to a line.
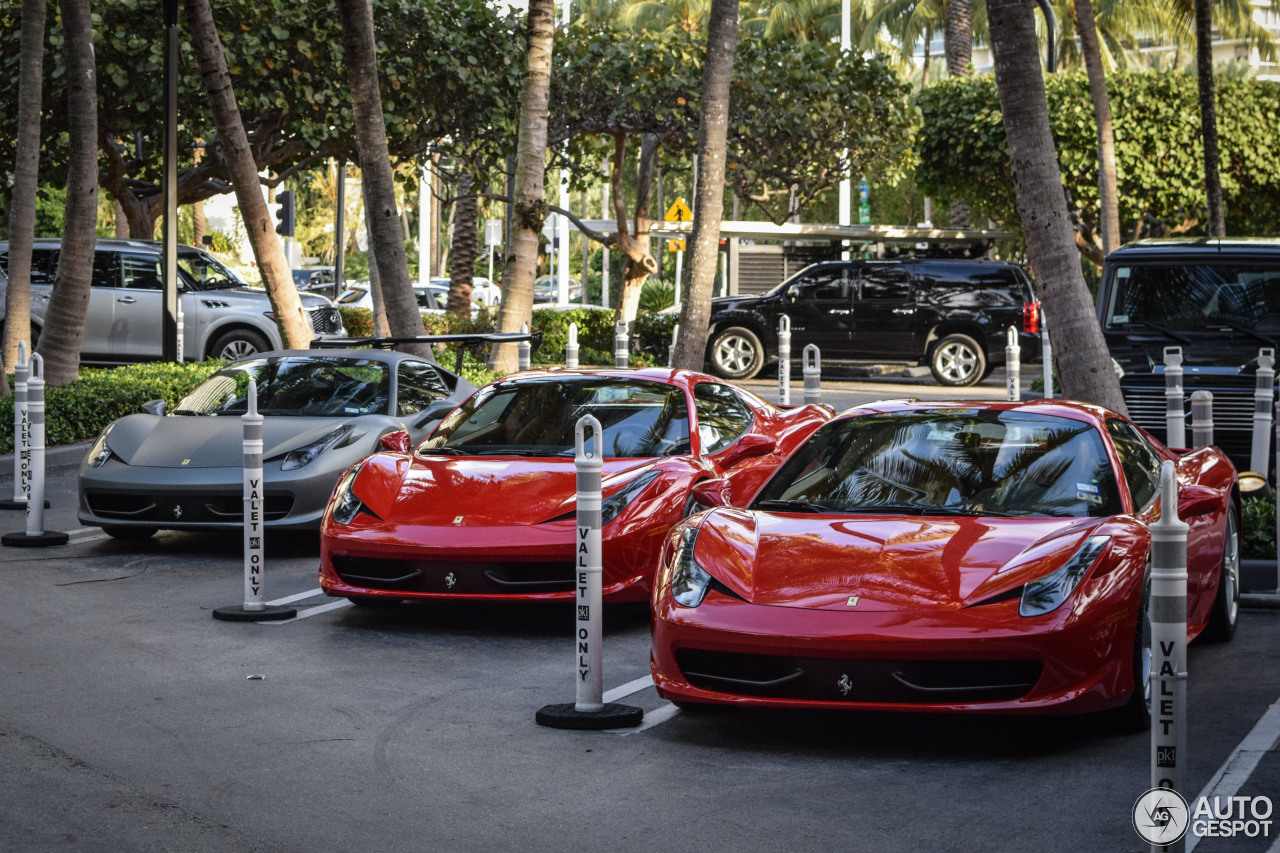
x: 536, y: 417
x: 949, y: 462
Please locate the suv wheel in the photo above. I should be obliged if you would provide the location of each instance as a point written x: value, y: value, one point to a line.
x: 238, y: 343
x: 958, y: 361
x: 736, y: 353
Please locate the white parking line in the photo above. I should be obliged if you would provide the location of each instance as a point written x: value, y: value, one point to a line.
x: 311, y: 611
x: 1239, y: 766
x: 652, y: 718
x: 290, y: 599
x: 627, y: 689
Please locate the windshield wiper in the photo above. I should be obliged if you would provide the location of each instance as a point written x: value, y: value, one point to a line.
x: 1168, y: 333
x: 793, y: 506
x: 189, y: 412
x: 1234, y: 328
x: 443, y: 451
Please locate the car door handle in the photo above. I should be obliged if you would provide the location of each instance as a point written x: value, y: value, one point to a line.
x: 904, y: 310
x: 839, y: 311
x: 128, y: 300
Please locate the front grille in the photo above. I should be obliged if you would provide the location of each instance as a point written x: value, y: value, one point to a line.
x: 183, y: 509
x: 455, y: 576
x: 326, y: 320
x: 906, y: 682
x: 1232, y: 417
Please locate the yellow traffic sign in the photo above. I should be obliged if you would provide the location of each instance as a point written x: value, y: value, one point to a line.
x: 679, y: 212
x: 675, y: 245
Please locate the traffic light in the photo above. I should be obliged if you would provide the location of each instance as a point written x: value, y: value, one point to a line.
x: 285, y: 214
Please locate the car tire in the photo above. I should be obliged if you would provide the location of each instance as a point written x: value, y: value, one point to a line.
x: 238, y: 343
x: 736, y: 353
x: 958, y: 361
x: 1135, y: 714
x: 1226, y: 605
x: 130, y: 534
x: 374, y: 603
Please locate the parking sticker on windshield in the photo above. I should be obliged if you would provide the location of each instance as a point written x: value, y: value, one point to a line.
x: 1091, y: 489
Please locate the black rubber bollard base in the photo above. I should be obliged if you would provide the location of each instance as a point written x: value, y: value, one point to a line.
x: 270, y: 613
x: 611, y: 716
x: 37, y: 540
x: 18, y: 505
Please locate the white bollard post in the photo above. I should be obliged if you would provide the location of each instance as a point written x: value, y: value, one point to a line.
x: 181, y: 334
x: 1201, y: 419
x: 1264, y: 394
x: 1046, y: 356
x: 1175, y: 416
x: 571, y: 348
x: 1013, y: 367
x: 671, y: 354
x: 522, y: 349
x: 255, y: 607
x: 812, y: 360
x: 621, y: 345
x: 590, y: 710
x: 35, y: 534
x: 784, y: 360
x: 1167, y: 612
x: 21, y: 434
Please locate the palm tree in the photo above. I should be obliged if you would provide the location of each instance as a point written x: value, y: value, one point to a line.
x: 713, y: 132
x: 894, y: 27
x: 1217, y: 225
x: 64, y: 320
x: 1108, y: 200
x: 1088, y: 375
x: 22, y: 208
x: 801, y: 20
x: 530, y: 208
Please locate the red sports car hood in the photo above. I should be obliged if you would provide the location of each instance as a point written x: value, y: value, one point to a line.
x: 897, y: 563
x: 481, y: 491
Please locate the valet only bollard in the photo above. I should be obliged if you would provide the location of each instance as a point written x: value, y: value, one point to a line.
x: 1263, y: 395
x: 1046, y: 356
x: 255, y: 608
x: 1168, y: 618
x: 621, y: 345
x: 1013, y: 367
x: 1201, y: 419
x: 35, y: 536
x: 522, y: 349
x: 1175, y: 416
x: 671, y: 353
x: 590, y: 711
x: 812, y: 360
x: 784, y: 360
x: 21, y: 434
x: 571, y: 348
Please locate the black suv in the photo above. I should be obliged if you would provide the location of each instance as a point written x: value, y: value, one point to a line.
x: 1219, y: 300
x: 952, y: 315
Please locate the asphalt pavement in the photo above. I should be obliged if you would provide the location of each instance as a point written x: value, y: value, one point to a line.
x: 130, y: 720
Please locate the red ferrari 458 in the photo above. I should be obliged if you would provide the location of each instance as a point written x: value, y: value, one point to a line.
x: 486, y: 506
x: 988, y: 557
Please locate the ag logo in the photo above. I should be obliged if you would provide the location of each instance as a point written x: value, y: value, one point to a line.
x: 1160, y: 816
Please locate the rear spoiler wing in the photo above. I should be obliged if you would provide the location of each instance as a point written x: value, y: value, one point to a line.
x: 465, y: 342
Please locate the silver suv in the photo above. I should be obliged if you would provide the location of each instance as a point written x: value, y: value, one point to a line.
x: 223, y: 317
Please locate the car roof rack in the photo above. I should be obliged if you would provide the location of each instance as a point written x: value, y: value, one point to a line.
x: 465, y: 342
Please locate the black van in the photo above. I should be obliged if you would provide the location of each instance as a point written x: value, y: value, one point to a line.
x: 1219, y: 300
x: 952, y: 315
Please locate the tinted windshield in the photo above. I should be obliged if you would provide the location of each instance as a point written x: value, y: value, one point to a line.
x: 956, y: 461
x: 536, y: 417
x: 1188, y: 297
x: 295, y: 386
x: 206, y: 272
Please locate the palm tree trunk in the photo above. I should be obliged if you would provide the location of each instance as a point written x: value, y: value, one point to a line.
x: 958, y: 40
x: 295, y: 325
x: 64, y: 319
x: 636, y: 247
x: 385, y: 234
x: 1108, y: 198
x: 1083, y: 362
x: 708, y: 203
x: 26, y: 180
x: 463, y: 253
x: 530, y: 208
x: 1217, y: 225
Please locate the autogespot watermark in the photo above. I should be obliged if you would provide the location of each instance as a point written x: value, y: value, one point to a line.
x: 1162, y: 817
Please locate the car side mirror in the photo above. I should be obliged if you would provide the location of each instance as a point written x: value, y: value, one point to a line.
x: 434, y: 411
x: 710, y: 493
x: 793, y: 292
x: 154, y: 407
x: 1197, y: 500
x: 747, y: 447
x: 396, y: 442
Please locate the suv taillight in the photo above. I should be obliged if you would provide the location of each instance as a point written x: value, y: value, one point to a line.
x: 1031, y: 317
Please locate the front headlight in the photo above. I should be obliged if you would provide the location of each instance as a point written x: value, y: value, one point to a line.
x: 101, y: 451
x: 345, y: 503
x: 689, y: 581
x: 1046, y: 594
x: 337, y: 437
x: 613, y: 506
